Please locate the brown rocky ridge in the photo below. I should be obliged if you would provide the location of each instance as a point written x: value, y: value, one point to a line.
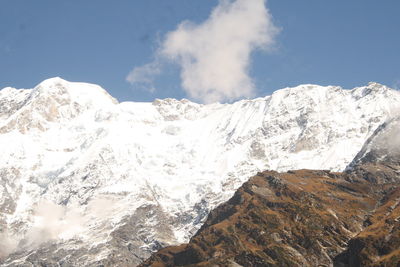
x: 300, y: 218
x: 304, y: 218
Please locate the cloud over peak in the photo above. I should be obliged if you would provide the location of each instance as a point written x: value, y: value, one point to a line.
x: 215, y: 55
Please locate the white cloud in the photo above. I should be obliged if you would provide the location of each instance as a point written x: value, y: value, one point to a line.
x: 388, y: 140
x: 53, y: 222
x: 215, y: 55
x: 7, y: 244
x: 50, y: 221
x: 144, y: 75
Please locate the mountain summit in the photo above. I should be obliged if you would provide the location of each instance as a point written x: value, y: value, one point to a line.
x: 88, y: 181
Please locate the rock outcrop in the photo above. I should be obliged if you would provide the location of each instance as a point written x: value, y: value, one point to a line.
x: 300, y: 218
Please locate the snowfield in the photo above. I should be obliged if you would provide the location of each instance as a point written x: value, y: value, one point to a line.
x: 86, y: 180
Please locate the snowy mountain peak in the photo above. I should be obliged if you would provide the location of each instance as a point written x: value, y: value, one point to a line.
x: 52, y: 101
x: 376, y: 85
x: 51, y: 82
x: 83, y: 93
x: 371, y: 90
x: 172, y: 109
x: 131, y: 177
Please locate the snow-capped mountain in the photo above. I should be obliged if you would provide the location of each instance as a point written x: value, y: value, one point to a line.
x: 88, y: 181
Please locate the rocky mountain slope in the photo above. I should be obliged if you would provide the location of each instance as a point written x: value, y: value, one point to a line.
x: 306, y: 217
x: 88, y: 181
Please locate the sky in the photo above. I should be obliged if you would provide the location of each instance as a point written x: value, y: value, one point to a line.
x: 204, y: 50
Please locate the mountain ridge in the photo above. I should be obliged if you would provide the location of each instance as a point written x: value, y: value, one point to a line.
x: 133, y: 177
x: 298, y: 218
x: 305, y: 217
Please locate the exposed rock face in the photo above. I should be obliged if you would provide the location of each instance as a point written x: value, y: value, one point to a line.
x: 379, y: 163
x: 379, y: 243
x: 300, y: 218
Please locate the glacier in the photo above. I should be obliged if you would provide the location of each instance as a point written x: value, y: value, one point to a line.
x: 88, y: 181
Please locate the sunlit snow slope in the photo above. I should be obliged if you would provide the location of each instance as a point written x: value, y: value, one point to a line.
x: 86, y: 180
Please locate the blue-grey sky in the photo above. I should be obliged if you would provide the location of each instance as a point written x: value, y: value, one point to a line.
x: 331, y: 42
